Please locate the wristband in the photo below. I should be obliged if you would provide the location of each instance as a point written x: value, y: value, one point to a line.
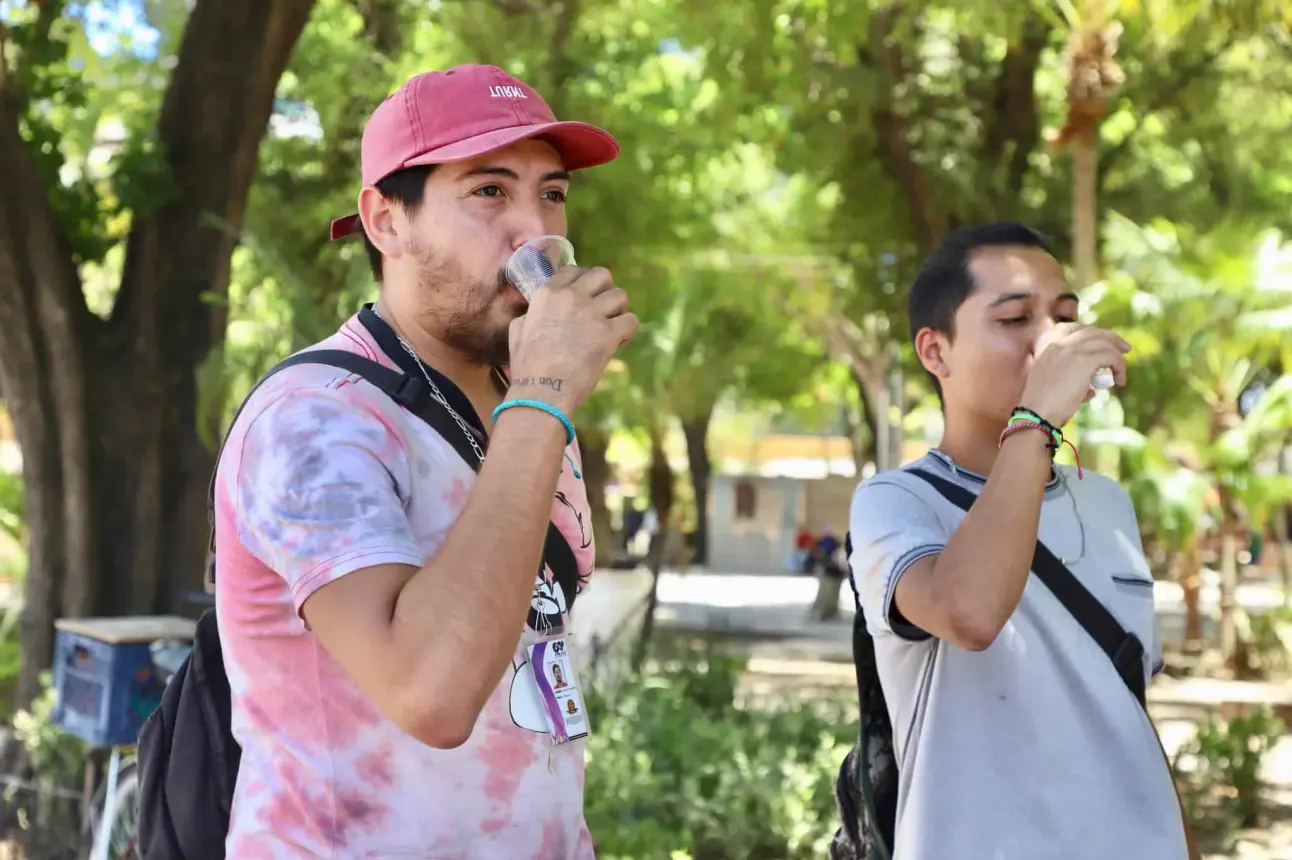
x: 1026, y: 419
x: 1018, y: 425
x: 542, y: 407
x: 1022, y: 413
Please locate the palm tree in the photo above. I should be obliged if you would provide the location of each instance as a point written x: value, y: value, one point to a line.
x: 1093, y: 74
x: 1206, y: 315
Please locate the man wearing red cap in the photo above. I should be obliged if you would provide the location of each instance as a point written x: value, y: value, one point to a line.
x: 377, y: 599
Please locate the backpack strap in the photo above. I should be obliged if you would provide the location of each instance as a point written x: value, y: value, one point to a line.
x: 557, y: 553
x: 411, y: 391
x: 1123, y: 648
x: 407, y: 390
x: 855, y: 772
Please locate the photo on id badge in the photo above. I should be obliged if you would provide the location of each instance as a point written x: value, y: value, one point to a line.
x: 557, y: 684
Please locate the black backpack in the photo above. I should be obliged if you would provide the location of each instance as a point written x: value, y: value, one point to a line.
x: 866, y: 790
x: 187, y: 756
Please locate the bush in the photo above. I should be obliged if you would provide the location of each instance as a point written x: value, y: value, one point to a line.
x: 1226, y: 760
x: 54, y: 754
x: 12, y: 505
x: 10, y: 669
x: 676, y: 770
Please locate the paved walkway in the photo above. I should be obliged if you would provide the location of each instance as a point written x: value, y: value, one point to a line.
x: 767, y: 606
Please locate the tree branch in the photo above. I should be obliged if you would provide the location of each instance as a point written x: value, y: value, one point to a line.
x: 45, y: 18
x: 381, y: 24
x: 38, y: 234
x: 213, y: 117
x: 560, y: 69
x: 892, y: 129
x: 512, y: 8
x: 1014, y: 129
x: 40, y: 291
x: 1163, y: 98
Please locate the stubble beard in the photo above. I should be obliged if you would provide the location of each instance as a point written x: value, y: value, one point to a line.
x: 463, y: 325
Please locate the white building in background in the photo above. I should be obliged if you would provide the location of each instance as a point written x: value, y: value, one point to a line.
x: 757, y: 504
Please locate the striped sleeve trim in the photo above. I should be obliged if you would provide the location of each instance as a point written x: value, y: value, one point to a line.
x: 904, y: 562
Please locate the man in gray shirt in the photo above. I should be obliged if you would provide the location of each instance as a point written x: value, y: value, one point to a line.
x: 1015, y: 737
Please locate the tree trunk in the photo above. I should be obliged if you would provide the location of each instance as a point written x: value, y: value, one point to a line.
x: 825, y: 607
x: 1283, y: 549
x: 1085, y: 210
x: 1228, y: 590
x: 1085, y: 222
x: 661, y: 499
x: 1191, y: 588
x: 696, y: 431
x: 104, y: 409
x: 321, y: 300
x: 873, y: 383
x: 896, y: 411
x: 883, y: 49
x: 864, y: 449
x: 593, y: 446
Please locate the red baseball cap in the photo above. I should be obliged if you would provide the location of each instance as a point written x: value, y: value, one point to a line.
x: 463, y: 113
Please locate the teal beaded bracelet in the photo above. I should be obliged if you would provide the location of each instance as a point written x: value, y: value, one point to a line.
x: 543, y: 407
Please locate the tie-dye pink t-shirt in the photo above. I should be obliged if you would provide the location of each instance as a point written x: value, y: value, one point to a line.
x: 322, y: 476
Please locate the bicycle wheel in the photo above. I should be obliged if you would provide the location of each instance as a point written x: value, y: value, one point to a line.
x: 123, y: 828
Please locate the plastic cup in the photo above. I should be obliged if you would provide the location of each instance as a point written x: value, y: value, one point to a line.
x: 1103, y: 378
x: 534, y: 263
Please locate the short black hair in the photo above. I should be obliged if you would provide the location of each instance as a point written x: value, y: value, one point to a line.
x: 944, y: 280
x: 406, y: 187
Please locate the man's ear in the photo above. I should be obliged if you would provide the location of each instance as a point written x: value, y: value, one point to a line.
x: 378, y: 217
x: 931, y: 348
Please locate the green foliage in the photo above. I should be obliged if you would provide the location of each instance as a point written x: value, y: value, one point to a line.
x: 10, y: 669
x: 1208, y: 405
x: 141, y: 179
x: 88, y: 121
x: 12, y: 504
x: 677, y: 769
x: 1227, y: 758
x: 54, y: 753
x: 54, y: 91
x: 1271, y: 638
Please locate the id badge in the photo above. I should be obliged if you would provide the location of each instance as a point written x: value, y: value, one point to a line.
x: 557, y: 680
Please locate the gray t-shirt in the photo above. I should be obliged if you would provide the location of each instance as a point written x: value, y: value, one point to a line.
x: 1032, y: 748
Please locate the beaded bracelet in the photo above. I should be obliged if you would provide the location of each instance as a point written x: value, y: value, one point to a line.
x: 1019, y: 426
x: 1027, y: 419
x: 1022, y: 413
x: 542, y: 407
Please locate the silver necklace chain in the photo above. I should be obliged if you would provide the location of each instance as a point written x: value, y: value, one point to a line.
x: 1081, y: 525
x: 435, y: 391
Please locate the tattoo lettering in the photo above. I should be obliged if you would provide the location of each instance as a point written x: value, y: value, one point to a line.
x: 545, y: 381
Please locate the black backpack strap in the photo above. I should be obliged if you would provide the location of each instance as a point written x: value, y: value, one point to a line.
x: 868, y: 811
x: 557, y: 553
x: 859, y: 632
x: 407, y: 390
x: 1123, y: 648
x: 413, y: 393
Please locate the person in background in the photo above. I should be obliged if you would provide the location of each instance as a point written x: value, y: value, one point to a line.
x: 1014, y: 734
x: 803, y: 542
x: 827, y: 552
x: 633, y: 518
